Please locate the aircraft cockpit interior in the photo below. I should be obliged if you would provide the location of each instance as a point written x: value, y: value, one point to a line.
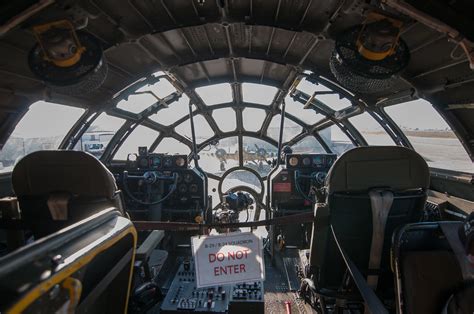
x: 198, y: 156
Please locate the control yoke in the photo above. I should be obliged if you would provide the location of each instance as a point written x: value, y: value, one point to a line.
x: 150, y: 178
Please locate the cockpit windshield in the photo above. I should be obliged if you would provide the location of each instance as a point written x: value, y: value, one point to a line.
x: 237, y: 132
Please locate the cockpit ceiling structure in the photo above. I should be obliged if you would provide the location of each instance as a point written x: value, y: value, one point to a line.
x: 205, y: 42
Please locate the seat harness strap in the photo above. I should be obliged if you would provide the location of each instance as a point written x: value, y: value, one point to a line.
x: 450, y: 230
x: 58, y: 205
x: 381, y: 202
x: 373, y: 303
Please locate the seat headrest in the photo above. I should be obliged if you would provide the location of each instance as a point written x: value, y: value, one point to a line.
x: 364, y: 168
x: 75, y: 172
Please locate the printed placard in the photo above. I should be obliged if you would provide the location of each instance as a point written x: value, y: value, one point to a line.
x: 228, y: 258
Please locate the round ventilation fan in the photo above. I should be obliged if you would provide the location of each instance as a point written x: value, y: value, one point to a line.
x: 366, y: 58
x: 69, y: 62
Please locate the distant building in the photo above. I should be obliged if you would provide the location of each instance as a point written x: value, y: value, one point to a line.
x: 95, y: 142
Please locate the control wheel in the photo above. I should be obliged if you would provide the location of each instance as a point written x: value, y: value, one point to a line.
x: 149, y: 178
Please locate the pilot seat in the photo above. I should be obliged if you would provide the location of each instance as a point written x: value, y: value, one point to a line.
x: 370, y: 192
x: 79, y: 245
x: 58, y: 188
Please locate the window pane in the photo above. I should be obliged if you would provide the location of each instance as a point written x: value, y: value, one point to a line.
x: 99, y: 134
x: 215, y: 94
x: 162, y: 88
x: 43, y: 127
x: 430, y: 135
x: 337, y: 141
x: 371, y: 130
x: 241, y: 177
x: 256, y: 154
x: 141, y: 136
x: 331, y: 100
x: 309, y: 88
x: 221, y: 156
x: 258, y: 93
x: 253, y: 119
x: 203, y: 129
x: 175, y: 111
x: 296, y: 109
x: 308, y: 145
x: 171, y: 146
x: 137, y: 103
x: 225, y: 119
x: 291, y: 129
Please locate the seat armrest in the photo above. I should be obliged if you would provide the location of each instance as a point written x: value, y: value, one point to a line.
x: 150, y: 243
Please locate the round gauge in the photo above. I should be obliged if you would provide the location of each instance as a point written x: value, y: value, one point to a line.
x: 168, y: 162
x: 183, y: 188
x: 180, y: 162
x: 188, y: 177
x: 318, y: 160
x: 193, y: 188
x: 156, y: 161
x: 143, y: 162
x: 293, y: 161
x: 306, y: 161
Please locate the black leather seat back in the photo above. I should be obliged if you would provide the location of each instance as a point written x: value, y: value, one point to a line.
x: 78, y: 179
x: 427, y: 271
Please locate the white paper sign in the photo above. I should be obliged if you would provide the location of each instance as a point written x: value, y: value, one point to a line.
x: 228, y: 258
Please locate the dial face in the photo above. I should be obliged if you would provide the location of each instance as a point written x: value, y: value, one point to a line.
x: 318, y: 160
x: 183, y: 188
x: 142, y: 150
x: 167, y: 162
x: 156, y: 161
x: 193, y: 188
x: 180, y: 162
x: 188, y: 177
x: 306, y: 161
x: 293, y: 161
x: 143, y: 162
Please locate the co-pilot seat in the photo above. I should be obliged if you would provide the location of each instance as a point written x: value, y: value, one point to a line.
x: 58, y: 188
x: 83, y: 248
x: 370, y: 192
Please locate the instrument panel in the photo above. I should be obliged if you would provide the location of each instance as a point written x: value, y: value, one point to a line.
x: 317, y: 161
x: 159, y: 162
x: 182, y: 197
x: 294, y: 188
x: 299, y: 173
x: 184, y: 297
